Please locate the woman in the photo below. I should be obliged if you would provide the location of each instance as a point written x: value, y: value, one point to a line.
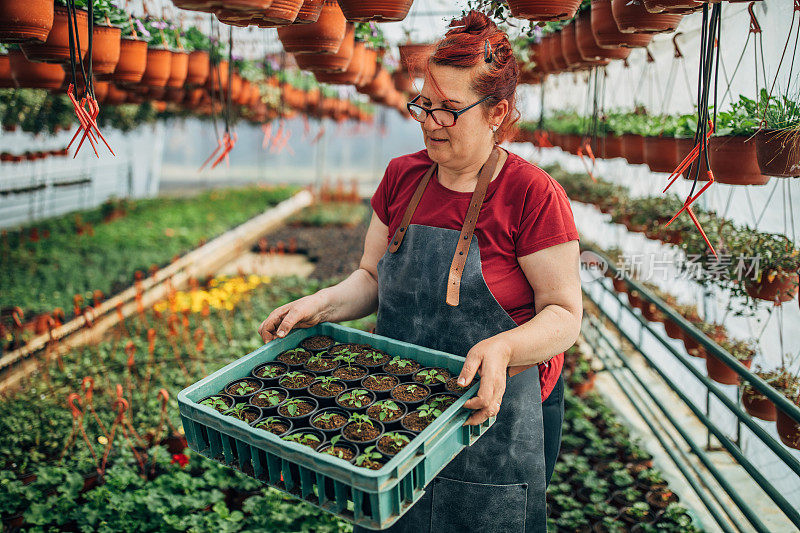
x: 473, y: 233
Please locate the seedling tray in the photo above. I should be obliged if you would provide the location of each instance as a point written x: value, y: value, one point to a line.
x: 374, y: 499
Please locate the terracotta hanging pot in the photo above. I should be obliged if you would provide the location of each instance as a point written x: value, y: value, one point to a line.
x: 243, y: 97
x: 33, y: 75
x: 198, y: 68
x: 788, y: 430
x: 774, y: 286
x: 673, y: 330
x: 351, y: 74
x: 672, y: 6
x: 778, y: 152
x: 588, y: 47
x: 240, y: 19
x: 179, y: 69
x: 661, y: 154
x: 375, y: 10
x: 156, y: 92
x: 544, y: 9
x: 280, y: 13
x: 632, y: 17
x: 557, y: 60
x: 309, y: 12
x: 56, y: 48
x: 613, y: 146
x: 337, y: 62
x: 218, y: 78
x: 413, y: 57
x: 159, y: 64
x: 205, y: 6
x: 100, y: 90
x: 379, y: 86
x: 26, y: 21
x: 734, y: 161
x: 105, y: 50
x: 607, y: 32
x: 194, y: 97
x: 539, y: 57
x: 242, y: 6
x: 721, y: 373
x: 6, y: 80
x: 322, y: 37
x: 758, y: 405
x: 132, y: 61
x: 403, y: 81
x: 633, y: 148
x: 569, y: 47
x: 115, y: 95
x: 370, y: 67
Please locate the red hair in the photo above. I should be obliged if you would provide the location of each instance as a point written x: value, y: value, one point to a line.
x: 465, y: 46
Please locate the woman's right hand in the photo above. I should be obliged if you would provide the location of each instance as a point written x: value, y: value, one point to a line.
x: 303, y: 313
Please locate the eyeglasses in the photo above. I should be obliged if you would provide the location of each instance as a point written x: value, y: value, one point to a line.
x: 443, y: 117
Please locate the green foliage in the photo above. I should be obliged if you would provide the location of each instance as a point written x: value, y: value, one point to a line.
x: 330, y: 214
x: 195, y: 39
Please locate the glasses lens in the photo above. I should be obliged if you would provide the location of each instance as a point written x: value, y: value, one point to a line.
x: 417, y: 112
x: 444, y: 117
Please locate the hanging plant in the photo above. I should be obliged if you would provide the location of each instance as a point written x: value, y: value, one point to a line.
x: 778, y: 142
x: 56, y: 48
x: 385, y: 11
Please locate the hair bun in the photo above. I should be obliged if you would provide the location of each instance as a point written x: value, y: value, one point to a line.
x: 473, y: 23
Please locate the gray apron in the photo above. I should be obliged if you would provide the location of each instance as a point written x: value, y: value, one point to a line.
x: 498, y: 483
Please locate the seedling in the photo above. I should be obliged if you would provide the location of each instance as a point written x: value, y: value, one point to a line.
x: 326, y: 381
x: 267, y: 422
x: 296, y: 355
x: 401, y: 363
x: 346, y: 357
x: 373, y: 356
x: 216, y: 402
x: 307, y: 439
x: 243, y: 389
x: 370, y: 454
x: 330, y: 449
x: 639, y: 510
x: 412, y: 388
x: 398, y: 439
x: 237, y: 410
x: 431, y: 376
x: 385, y: 409
x: 359, y: 421
x: 430, y: 410
x: 270, y: 371
x: 326, y: 417
x: 273, y: 397
x: 355, y: 398
x: 294, y: 379
x: 293, y: 406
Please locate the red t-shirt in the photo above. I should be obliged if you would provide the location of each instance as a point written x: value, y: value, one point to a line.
x: 525, y: 210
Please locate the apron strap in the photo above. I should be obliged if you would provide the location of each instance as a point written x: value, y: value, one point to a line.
x: 464, y: 240
x: 412, y: 206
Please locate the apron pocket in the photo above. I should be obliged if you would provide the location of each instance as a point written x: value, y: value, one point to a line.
x: 480, y: 507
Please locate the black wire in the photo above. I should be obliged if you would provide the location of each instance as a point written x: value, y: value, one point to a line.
x: 72, y: 53
x: 89, y: 81
x: 230, y: 81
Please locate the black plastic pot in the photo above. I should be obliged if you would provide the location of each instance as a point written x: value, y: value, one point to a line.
x: 433, y: 397
x: 256, y: 411
x: 386, y: 454
x: 269, y: 382
x: 329, y: 433
x: 354, y: 382
x: 342, y: 444
x: 323, y: 372
x: 394, y: 424
x: 304, y: 342
x: 226, y: 397
x: 372, y: 365
x: 282, y: 419
x: 325, y: 401
x: 411, y: 405
x: 294, y: 366
x: 403, y: 376
x: 405, y: 427
x: 243, y: 397
x: 299, y: 420
x: 316, y: 432
x: 436, y: 386
x: 355, y: 409
x: 380, y: 394
x: 294, y: 391
x: 267, y: 408
x: 362, y: 445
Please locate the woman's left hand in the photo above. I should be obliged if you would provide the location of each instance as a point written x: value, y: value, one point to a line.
x: 489, y: 358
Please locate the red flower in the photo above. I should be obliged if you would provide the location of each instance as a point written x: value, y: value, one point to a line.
x: 180, y: 458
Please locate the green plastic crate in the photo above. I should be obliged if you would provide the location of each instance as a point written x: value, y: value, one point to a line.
x: 373, y: 499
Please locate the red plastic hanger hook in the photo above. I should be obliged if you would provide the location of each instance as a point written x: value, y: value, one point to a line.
x: 88, y: 388
x: 130, y: 351
x: 18, y: 315
x: 755, y: 27
x: 678, y: 53
x: 164, y: 397
x: 77, y: 414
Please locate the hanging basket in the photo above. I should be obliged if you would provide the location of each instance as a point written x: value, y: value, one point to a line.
x: 27, y: 21
x: 32, y: 75
x: 544, y: 10
x: 370, y: 67
x: 613, y: 146
x: 6, y: 79
x: 159, y: 63
x: 115, y: 95
x: 758, y: 405
x: 105, y: 50
x: 734, y: 162
x: 776, y: 287
x: 179, y: 70
x: 351, y: 74
x: 788, y: 430
x: 132, y: 61
x: 673, y: 330
x: 322, y: 37
x: 661, y: 154
x: 558, y: 61
x: 607, y: 32
x: 569, y: 47
x: 375, y: 10
x: 633, y: 148
x: 198, y: 68
x: 335, y: 63
x: 56, y: 48
x: 279, y: 13
x: 778, y: 152
x: 403, y: 81
x: 721, y: 373
x: 218, y: 78
x: 588, y: 46
x: 682, y: 7
x: 309, y: 12
x: 632, y: 17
